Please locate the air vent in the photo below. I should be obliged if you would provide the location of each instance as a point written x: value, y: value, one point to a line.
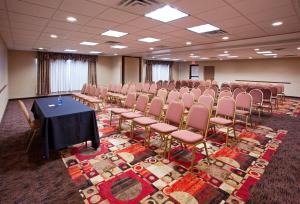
x: 112, y: 42
x: 278, y: 49
x: 137, y: 2
x: 216, y: 33
x: 161, y: 47
x: 290, y: 55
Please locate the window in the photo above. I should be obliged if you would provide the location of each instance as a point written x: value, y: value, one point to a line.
x: 160, y: 72
x: 196, y: 72
x: 67, y: 75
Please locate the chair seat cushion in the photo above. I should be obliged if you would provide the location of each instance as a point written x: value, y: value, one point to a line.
x: 242, y: 112
x: 145, y: 121
x: 119, y: 110
x: 221, y: 121
x: 187, y: 136
x: 163, y: 128
x: 131, y: 115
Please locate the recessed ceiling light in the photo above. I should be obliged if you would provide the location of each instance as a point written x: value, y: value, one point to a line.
x: 71, y: 19
x: 53, y: 36
x: 41, y: 48
x: 166, y: 14
x: 203, y: 28
x: 221, y: 59
x: 278, y: 23
x: 257, y: 49
x: 249, y: 57
x: 70, y: 50
x: 149, y: 40
x: 232, y: 56
x: 165, y: 58
x: 175, y: 59
x: 225, y: 51
x: 264, y: 52
x: 151, y: 48
x: 95, y: 52
x: 223, y: 55
x: 153, y: 57
x: 194, y: 56
x: 115, y: 54
x: 113, y: 33
x: 204, y: 58
x: 298, y: 48
x: 188, y: 43
x: 274, y: 56
x: 88, y: 43
x: 270, y: 54
x: 225, y: 38
x: 118, y: 46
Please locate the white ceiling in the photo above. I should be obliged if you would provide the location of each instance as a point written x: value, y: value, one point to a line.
x: 28, y: 24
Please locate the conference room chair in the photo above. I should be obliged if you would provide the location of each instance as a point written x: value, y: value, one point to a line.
x: 152, y: 90
x: 190, y: 84
x: 162, y: 93
x: 207, y: 101
x: 187, y: 100
x: 202, y: 87
x: 173, y: 95
x: 172, y: 122
x: 171, y: 86
x: 153, y: 116
x: 267, y: 100
x: 138, y: 111
x: 257, y: 100
x: 237, y: 91
x: 33, y: 124
x: 225, y: 93
x: 215, y: 88
x: 146, y: 87
x: 77, y: 95
x: 196, y: 84
x: 225, y: 88
x: 225, y: 115
x: 183, y: 90
x: 210, y: 92
x: 165, y: 84
x: 274, y: 95
x: 195, y: 131
x: 139, y: 87
x: 243, y: 105
x: 178, y: 84
x: 197, y: 93
x: 128, y: 106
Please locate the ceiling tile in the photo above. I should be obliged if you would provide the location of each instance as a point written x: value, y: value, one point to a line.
x: 97, y: 23
x: 233, y: 22
x: 164, y: 28
x: 29, y: 9
x: 62, y: 15
x: 127, y: 28
x: 221, y: 13
x: 52, y: 4
x: 144, y: 22
x: 25, y: 26
x: 27, y: 19
x: 92, y: 30
x: 64, y: 25
x: 197, y: 6
x: 83, y: 7
x: 117, y: 16
x: 187, y: 22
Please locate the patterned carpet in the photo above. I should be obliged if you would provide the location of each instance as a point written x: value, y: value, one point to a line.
x: 289, y: 107
x: 122, y: 170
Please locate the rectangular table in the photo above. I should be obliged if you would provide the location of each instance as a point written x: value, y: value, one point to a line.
x: 66, y: 124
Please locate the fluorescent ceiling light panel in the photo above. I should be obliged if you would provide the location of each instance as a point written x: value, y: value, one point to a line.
x: 149, y: 40
x: 278, y: 23
x: 71, y: 19
x: 204, y: 58
x: 118, y: 46
x: 223, y: 55
x: 166, y: 14
x: 113, y: 33
x: 53, y: 36
x: 165, y: 58
x: 270, y: 54
x: 264, y: 52
x: 95, y: 52
x: 88, y: 43
x: 232, y: 56
x: 70, y: 50
x: 194, y: 56
x: 203, y: 28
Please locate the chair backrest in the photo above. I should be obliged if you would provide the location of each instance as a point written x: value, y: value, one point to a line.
x: 274, y: 90
x: 198, y: 118
x: 124, y: 89
x: 237, y: 91
x: 171, y: 86
x: 104, y: 91
x: 132, y: 88
x: 183, y: 90
x: 98, y: 91
x: 139, y: 87
x: 196, y: 84
x: 173, y: 96
x: 118, y: 88
x: 257, y: 96
x: 188, y: 100
x: 215, y: 88
x: 153, y: 88
x: 130, y: 100
x: 243, y: 101
x: 225, y: 88
x: 201, y: 87
x: 174, y: 112
x: 159, y: 84
x: 206, y: 100
x: 25, y: 111
x: 83, y: 88
x: 162, y: 93
x: 141, y: 103
x: 178, y: 84
x: 225, y: 93
x: 226, y: 107
x: 210, y: 92
x: 156, y: 106
x: 197, y: 93
x: 190, y: 84
x: 146, y: 87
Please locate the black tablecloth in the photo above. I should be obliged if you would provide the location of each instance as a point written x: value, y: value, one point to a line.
x: 66, y: 124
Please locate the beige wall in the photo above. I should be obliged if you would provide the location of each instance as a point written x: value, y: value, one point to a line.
x: 282, y: 70
x: 116, y: 74
x: 22, y: 74
x: 131, y: 69
x: 104, y: 70
x: 3, y: 78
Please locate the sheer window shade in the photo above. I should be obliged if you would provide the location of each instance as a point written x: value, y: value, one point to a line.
x: 160, y: 72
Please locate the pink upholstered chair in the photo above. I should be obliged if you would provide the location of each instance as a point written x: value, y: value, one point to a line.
x: 139, y: 110
x: 139, y: 87
x: 210, y: 92
x: 225, y: 88
x: 174, y: 95
x: 257, y: 100
x: 197, y: 93
x: 183, y: 90
x: 207, y: 101
x: 152, y: 90
x: 172, y: 122
x: 225, y: 93
x: 188, y: 100
x: 146, y: 87
x: 178, y: 84
x: 225, y: 115
x: 153, y: 116
x: 237, y: 91
x: 165, y: 84
x: 196, y: 130
x: 128, y: 106
x: 162, y: 93
x: 171, y: 86
x: 267, y: 99
x: 243, y: 104
x: 202, y: 88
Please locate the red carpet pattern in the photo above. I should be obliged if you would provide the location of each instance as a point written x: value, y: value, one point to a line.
x: 289, y: 107
x: 122, y: 170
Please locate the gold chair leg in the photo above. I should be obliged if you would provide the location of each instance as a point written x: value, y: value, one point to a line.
x: 31, y: 139
x: 110, y: 118
x: 120, y: 123
x: 193, y: 157
x: 206, y: 151
x: 131, y: 129
x: 169, y: 148
x: 227, y: 135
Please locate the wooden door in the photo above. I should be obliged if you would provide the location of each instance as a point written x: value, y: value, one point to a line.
x: 209, y: 72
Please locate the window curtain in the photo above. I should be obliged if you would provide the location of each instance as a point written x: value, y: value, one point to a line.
x: 160, y: 72
x: 92, y: 74
x: 149, y: 69
x: 43, y: 72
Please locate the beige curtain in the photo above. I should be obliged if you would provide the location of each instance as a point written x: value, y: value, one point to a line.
x: 148, y: 77
x: 149, y: 63
x: 170, y: 71
x: 92, y: 73
x: 43, y: 76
